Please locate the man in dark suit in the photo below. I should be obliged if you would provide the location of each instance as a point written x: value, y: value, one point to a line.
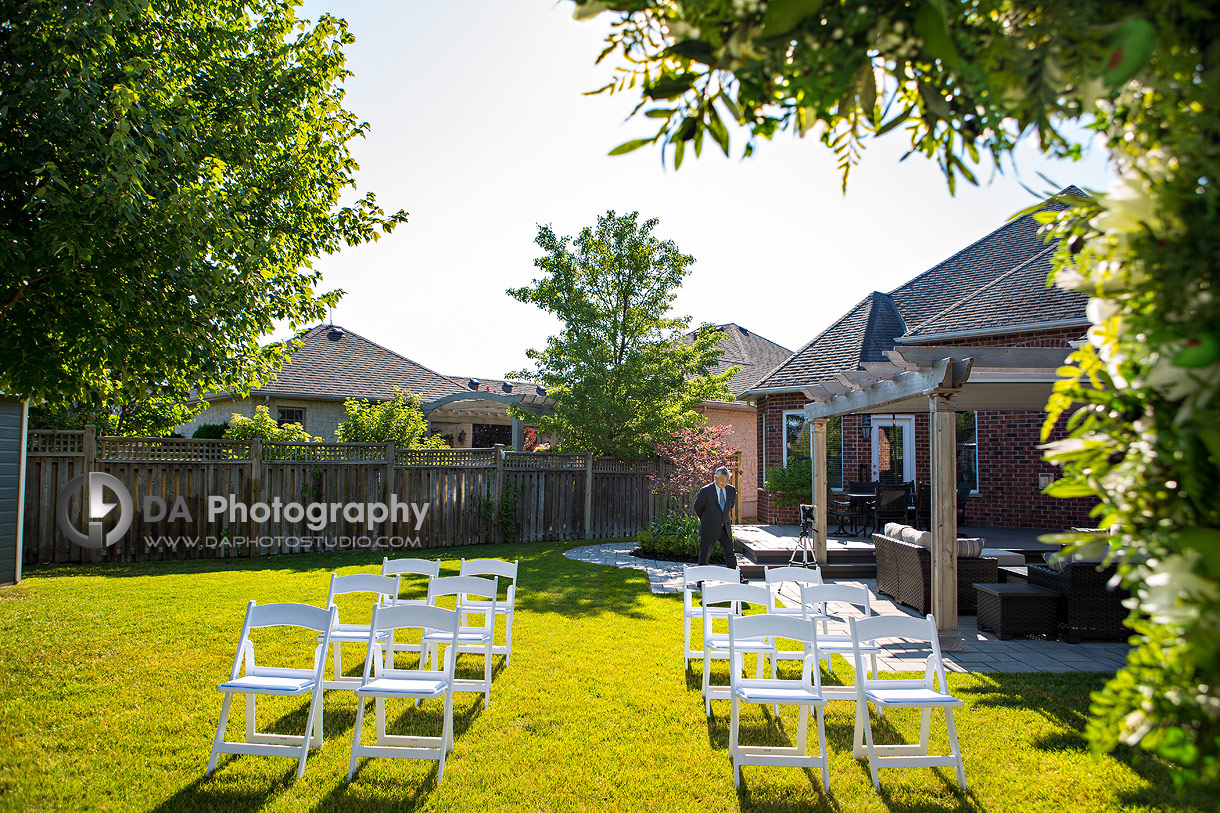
x: 714, y: 506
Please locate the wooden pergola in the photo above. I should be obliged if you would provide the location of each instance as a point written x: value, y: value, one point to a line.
x: 943, y: 381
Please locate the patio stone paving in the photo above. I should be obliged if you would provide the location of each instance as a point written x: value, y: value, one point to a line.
x: 981, y: 651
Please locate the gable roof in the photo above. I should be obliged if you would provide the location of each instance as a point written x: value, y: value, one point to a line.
x: 742, y: 348
x: 860, y: 335
x: 995, y: 282
x: 333, y: 363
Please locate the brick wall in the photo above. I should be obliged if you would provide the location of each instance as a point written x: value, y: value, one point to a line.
x: 743, y: 437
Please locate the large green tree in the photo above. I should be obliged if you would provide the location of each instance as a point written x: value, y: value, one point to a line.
x: 620, y: 374
x: 966, y: 81
x: 167, y: 172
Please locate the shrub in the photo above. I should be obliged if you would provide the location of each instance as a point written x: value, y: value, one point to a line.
x: 671, y: 535
x: 211, y: 431
x: 791, y: 484
x: 262, y: 425
x: 399, y: 419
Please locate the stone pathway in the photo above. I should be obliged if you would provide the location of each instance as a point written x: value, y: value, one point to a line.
x: 981, y: 651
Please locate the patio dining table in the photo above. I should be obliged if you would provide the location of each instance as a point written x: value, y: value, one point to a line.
x: 862, y: 501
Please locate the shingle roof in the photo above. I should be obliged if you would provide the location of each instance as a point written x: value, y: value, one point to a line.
x: 969, y: 272
x: 1020, y: 296
x: 860, y: 335
x: 754, y: 354
x: 351, y: 366
x: 996, y: 281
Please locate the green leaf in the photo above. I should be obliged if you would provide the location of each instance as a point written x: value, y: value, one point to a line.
x: 693, y: 49
x: 1130, y: 49
x: 782, y: 16
x: 630, y: 146
x: 932, y: 28
x: 894, y: 122
x: 670, y: 87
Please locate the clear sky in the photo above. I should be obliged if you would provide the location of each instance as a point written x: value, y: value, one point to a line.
x: 479, y: 129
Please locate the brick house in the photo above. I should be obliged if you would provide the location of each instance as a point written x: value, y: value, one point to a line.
x: 756, y: 356
x: 991, y: 293
x: 333, y: 364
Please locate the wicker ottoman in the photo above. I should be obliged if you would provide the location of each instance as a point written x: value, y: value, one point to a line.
x: 1017, y: 609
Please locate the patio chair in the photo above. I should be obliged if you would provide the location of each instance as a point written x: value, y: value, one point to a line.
x: 279, y: 681
x: 692, y: 577
x: 716, y: 644
x: 399, y: 568
x: 385, y: 589
x: 963, y: 497
x: 805, y: 693
x: 891, y: 505
x: 923, y: 506
x: 922, y: 694
x: 381, y: 682
x: 844, y: 513
x: 503, y: 570
x: 475, y: 638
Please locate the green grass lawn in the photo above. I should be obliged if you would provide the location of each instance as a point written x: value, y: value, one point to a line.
x: 108, y: 700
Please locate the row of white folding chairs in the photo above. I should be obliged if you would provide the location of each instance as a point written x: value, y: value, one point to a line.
x: 473, y: 595
x: 380, y: 681
x: 759, y: 634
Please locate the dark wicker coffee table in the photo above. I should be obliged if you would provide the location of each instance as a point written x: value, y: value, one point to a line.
x: 1017, y: 609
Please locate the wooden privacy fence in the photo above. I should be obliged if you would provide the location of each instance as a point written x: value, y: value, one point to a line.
x: 197, y: 498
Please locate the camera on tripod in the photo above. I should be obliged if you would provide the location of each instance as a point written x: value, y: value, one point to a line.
x: 809, y: 516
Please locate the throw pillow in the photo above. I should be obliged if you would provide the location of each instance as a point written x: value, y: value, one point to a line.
x: 893, y: 530
x: 970, y: 547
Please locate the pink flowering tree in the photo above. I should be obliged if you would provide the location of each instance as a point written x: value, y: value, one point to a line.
x: 692, y: 456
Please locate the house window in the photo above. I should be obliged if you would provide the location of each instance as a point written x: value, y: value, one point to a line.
x: 798, y: 444
x: 968, y: 450
x: 291, y: 415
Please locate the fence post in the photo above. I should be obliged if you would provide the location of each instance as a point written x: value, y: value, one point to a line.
x: 256, y: 487
x: 497, y: 532
x: 387, y: 486
x: 588, y: 495
x: 89, y: 447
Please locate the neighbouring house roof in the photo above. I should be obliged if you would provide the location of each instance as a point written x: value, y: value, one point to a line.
x: 333, y: 363
x: 742, y: 348
x: 995, y: 282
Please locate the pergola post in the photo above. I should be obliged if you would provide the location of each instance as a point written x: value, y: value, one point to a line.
x: 941, y: 411
x: 518, y: 434
x: 820, y: 481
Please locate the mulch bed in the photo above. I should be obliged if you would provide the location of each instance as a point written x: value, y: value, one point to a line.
x: 717, y: 557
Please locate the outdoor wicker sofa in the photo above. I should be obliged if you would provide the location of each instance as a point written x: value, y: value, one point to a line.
x: 904, y: 572
x: 1088, y: 608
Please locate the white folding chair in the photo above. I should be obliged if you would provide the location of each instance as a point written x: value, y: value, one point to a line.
x: 805, y: 693
x: 903, y: 694
x: 475, y: 638
x: 775, y: 579
x: 279, y: 681
x: 385, y: 590
x: 840, y: 643
x: 398, y: 568
x: 692, y: 575
x: 502, y: 570
x: 716, y: 644
x: 381, y: 681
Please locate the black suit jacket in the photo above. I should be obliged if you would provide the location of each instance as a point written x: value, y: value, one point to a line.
x: 707, y: 507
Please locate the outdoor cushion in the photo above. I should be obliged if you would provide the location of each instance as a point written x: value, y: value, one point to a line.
x: 921, y: 538
x: 972, y: 547
x: 894, y: 529
x: 268, y: 684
